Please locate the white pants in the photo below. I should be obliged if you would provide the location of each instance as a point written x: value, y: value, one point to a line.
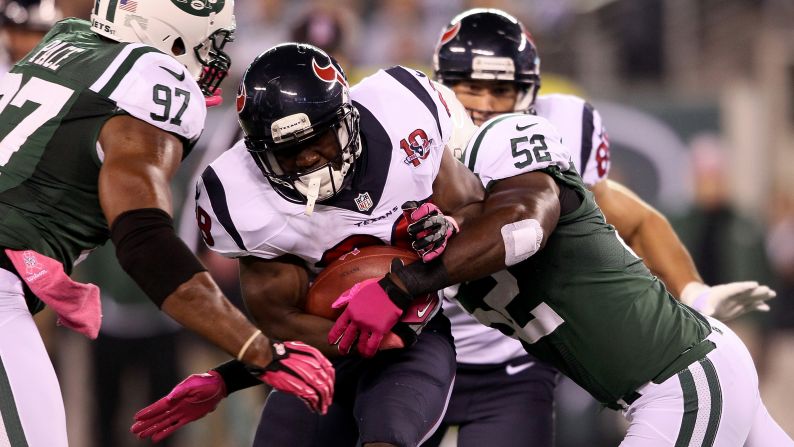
x: 714, y: 402
x: 31, y: 406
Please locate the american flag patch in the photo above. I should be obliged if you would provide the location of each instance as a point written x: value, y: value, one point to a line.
x: 128, y: 5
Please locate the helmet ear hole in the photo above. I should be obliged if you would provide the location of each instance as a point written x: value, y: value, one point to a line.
x: 178, y: 47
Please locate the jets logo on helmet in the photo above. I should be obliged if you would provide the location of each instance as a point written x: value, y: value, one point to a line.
x: 241, y: 94
x: 201, y: 8
x: 329, y: 73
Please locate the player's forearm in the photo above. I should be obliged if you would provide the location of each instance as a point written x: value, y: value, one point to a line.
x: 514, y: 224
x: 663, y: 253
x: 470, y: 211
x: 199, y: 305
x: 479, y: 250
x: 515, y: 207
x: 296, y: 325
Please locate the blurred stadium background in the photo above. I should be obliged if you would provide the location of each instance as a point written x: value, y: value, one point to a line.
x: 698, y: 99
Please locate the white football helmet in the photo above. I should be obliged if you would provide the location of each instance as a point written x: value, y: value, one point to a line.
x: 194, y: 32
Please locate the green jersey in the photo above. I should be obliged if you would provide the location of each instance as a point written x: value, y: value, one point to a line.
x: 585, y: 303
x: 53, y: 104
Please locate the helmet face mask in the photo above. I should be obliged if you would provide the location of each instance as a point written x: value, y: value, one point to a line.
x: 215, y: 62
x: 489, y: 45
x: 340, y: 145
x: 293, y: 98
x: 194, y: 32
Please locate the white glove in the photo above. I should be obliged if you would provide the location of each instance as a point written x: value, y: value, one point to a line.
x: 727, y: 301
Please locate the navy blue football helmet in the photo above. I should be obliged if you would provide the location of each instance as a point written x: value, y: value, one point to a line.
x: 491, y: 45
x: 289, y: 97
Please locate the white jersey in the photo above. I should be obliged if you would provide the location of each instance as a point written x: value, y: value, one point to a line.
x: 582, y: 132
x: 404, y: 128
x: 534, y: 143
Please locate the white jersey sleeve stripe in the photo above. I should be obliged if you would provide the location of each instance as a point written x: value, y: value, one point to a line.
x: 217, y: 197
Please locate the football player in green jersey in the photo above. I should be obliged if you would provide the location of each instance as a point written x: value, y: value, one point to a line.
x: 482, y: 57
x: 580, y: 299
x: 93, y: 123
x: 491, y: 62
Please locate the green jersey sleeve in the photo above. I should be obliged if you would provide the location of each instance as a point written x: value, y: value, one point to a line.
x: 513, y: 144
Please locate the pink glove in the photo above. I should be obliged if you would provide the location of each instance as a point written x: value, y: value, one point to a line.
x: 428, y: 228
x: 214, y: 100
x: 302, y: 370
x: 191, y: 399
x: 373, y: 307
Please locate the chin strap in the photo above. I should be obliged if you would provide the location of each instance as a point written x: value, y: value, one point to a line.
x: 311, y: 195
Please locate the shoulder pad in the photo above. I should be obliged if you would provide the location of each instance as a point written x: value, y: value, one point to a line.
x: 509, y: 145
x: 230, y: 201
x: 155, y: 88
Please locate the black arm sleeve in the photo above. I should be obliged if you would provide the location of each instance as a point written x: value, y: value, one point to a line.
x: 152, y: 254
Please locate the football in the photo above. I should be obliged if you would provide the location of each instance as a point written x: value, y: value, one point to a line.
x: 350, y: 268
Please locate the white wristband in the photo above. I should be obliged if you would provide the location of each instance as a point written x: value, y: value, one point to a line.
x: 247, y: 344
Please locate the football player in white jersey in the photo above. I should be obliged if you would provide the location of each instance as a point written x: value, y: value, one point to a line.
x: 489, y: 60
x: 324, y: 169
x: 94, y: 123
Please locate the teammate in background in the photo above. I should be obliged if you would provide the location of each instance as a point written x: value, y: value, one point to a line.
x: 324, y: 169
x: 93, y: 124
x: 490, y: 61
x: 22, y: 25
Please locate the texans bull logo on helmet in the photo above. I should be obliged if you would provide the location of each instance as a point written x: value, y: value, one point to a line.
x: 329, y: 73
x: 449, y: 34
x: 241, y: 94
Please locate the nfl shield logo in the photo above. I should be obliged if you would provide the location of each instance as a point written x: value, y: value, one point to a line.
x: 363, y: 201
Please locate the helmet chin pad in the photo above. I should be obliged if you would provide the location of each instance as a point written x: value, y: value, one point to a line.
x: 332, y: 174
x: 330, y: 182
